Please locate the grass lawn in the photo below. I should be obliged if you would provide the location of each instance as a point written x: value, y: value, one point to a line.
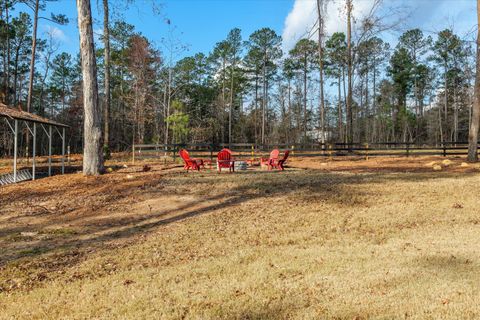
x: 300, y: 244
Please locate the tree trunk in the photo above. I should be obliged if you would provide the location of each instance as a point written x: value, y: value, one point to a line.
x: 92, y: 153
x: 264, y: 100
x: 349, y: 62
x: 305, y: 72
x: 231, y: 102
x: 445, y: 103
x: 256, y: 105
x: 106, y: 106
x: 7, y: 69
x: 374, y: 102
x: 320, y: 58
x: 32, y: 59
x: 289, y: 106
x: 223, y: 99
x: 474, y: 127
x: 169, y: 96
x: 15, y: 75
x: 340, y: 117
x: 344, y: 104
x: 367, y: 111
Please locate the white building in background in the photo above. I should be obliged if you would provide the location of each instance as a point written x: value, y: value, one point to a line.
x: 317, y: 135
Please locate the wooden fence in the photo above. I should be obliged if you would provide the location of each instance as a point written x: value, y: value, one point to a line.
x: 255, y: 151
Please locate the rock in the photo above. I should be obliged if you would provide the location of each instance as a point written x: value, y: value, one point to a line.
x: 437, y: 167
x: 130, y: 177
x: 446, y: 162
x: 125, y: 166
x: 28, y: 234
x: 464, y: 165
x: 109, y: 170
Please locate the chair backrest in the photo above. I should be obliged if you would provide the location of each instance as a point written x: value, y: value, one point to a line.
x: 184, y: 155
x: 227, y: 150
x: 285, y: 156
x: 224, y: 154
x: 274, y: 154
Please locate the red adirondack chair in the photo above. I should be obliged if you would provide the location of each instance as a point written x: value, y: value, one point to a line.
x: 273, y: 157
x: 190, y: 163
x: 224, y: 160
x: 278, y: 164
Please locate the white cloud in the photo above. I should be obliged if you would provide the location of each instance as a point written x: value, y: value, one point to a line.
x: 428, y: 15
x: 56, y: 33
x: 299, y: 20
x: 303, y: 17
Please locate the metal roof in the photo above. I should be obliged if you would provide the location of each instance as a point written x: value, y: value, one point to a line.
x: 12, y: 113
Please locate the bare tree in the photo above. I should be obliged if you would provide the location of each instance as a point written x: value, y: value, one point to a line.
x: 6, y: 61
x: 32, y: 59
x: 474, y: 126
x: 349, y: 72
x: 320, y: 9
x: 51, y: 47
x: 106, y: 107
x: 59, y: 19
x: 92, y: 153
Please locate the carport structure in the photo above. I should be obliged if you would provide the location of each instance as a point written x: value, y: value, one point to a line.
x: 15, y: 118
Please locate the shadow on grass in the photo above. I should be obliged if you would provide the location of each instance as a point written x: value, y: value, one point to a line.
x: 449, y: 266
x: 214, y: 193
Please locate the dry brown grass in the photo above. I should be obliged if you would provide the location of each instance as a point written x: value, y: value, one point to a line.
x: 302, y: 244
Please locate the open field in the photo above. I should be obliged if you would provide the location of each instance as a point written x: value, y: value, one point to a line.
x: 344, y: 239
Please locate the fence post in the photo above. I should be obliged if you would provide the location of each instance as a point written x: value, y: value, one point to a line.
x: 408, y: 149
x: 330, y: 151
x: 366, y: 151
x: 211, y: 152
x: 444, y: 150
x: 133, y: 154
x: 293, y: 150
x: 253, y: 153
x: 68, y: 155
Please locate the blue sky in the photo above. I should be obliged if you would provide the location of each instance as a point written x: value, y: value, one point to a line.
x: 202, y: 23
x: 199, y: 24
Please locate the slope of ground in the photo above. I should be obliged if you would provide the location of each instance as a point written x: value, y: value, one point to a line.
x: 302, y: 244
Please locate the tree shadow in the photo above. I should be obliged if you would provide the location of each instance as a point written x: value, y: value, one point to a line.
x: 212, y: 194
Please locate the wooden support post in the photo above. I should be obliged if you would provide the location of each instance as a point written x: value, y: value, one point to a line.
x: 293, y: 150
x: 253, y: 153
x: 133, y: 154
x: 211, y: 153
x: 63, y: 150
x: 34, y: 150
x: 68, y: 155
x: 49, y: 151
x: 330, y: 151
x: 15, y: 150
x: 444, y: 150
x: 366, y: 151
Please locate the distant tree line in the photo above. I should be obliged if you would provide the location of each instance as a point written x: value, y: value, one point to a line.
x: 247, y: 89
